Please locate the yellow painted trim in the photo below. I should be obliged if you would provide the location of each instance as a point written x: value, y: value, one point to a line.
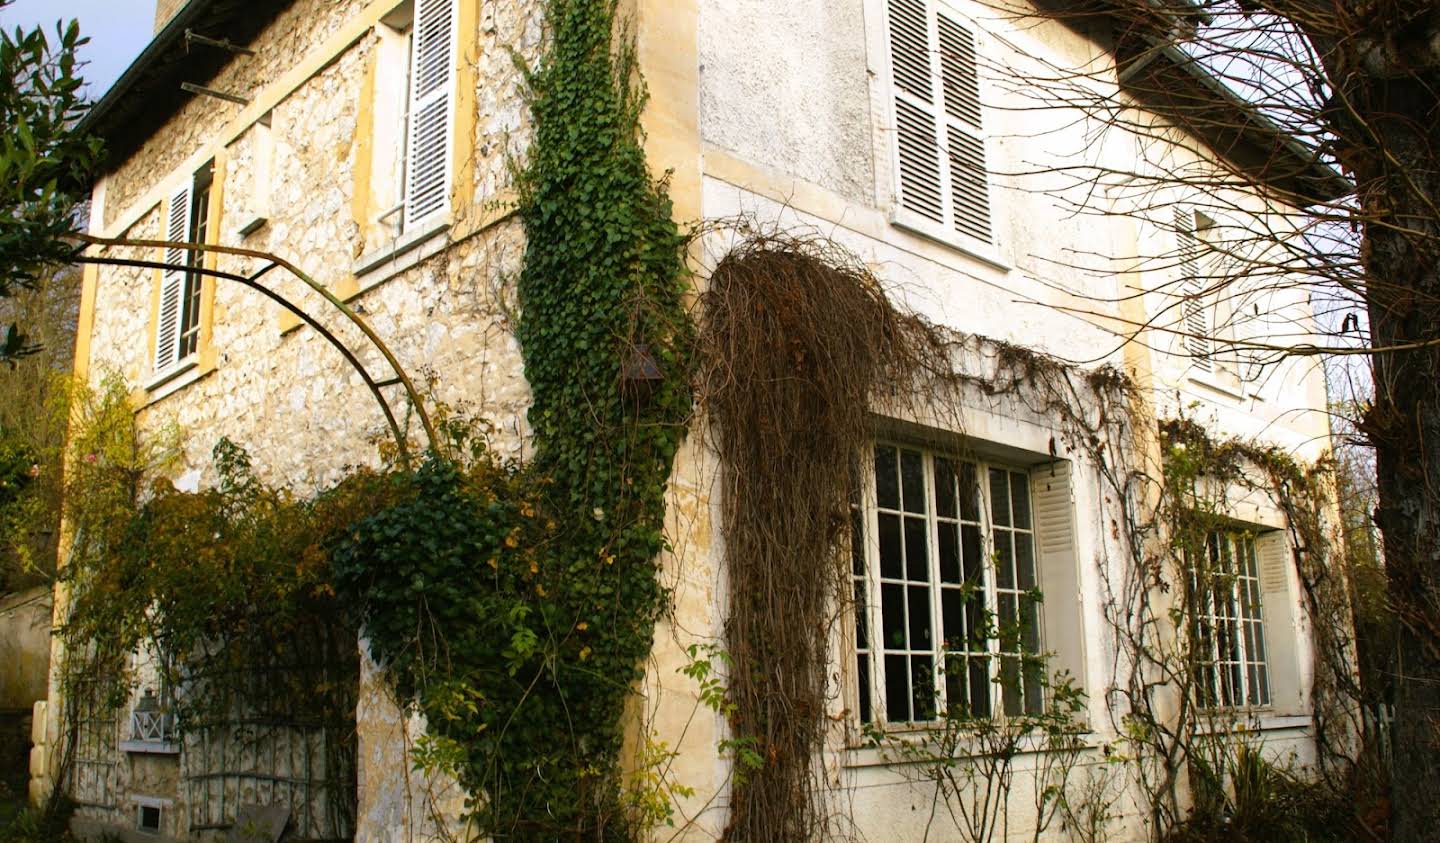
x: 360, y: 200
x: 465, y: 114
x: 85, y: 324
x: 265, y: 101
x: 668, y: 48
x: 147, y: 364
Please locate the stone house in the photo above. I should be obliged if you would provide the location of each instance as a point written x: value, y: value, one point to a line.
x: 369, y: 142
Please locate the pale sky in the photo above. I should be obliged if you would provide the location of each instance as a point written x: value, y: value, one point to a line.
x: 118, y: 31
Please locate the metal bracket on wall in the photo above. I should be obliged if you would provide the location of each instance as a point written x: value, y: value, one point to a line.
x: 193, y: 37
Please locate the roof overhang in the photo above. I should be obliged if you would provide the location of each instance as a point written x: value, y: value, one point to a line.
x: 1157, y: 73
x: 148, y: 93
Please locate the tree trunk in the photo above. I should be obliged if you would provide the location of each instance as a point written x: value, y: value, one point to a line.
x: 1393, y: 155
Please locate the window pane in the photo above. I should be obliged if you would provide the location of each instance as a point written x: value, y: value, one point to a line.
x: 1034, y: 685
x: 1009, y: 622
x: 920, y: 619
x: 897, y: 689
x: 862, y: 632
x: 917, y: 551
x: 980, y: 686
x: 892, y: 565
x: 969, y: 491
x: 975, y: 623
x: 1010, y: 684
x: 922, y: 678
x: 972, y: 554
x: 955, y: 685
x: 949, y: 553
x: 1000, y: 497
x: 887, y: 481
x: 944, y: 488
x: 1257, y: 651
x: 1029, y: 625
x: 892, y: 615
x: 1025, y: 560
x: 1020, y: 499
x: 952, y: 618
x: 862, y: 678
x: 912, y: 481
x: 1004, y: 560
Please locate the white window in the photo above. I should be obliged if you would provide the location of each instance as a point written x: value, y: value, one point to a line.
x: 1196, y: 308
x: 413, y: 119
x: 946, y: 572
x: 1227, y: 624
x: 941, y: 178
x: 177, y: 327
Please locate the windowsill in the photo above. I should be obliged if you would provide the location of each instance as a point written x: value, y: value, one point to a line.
x: 1208, y: 380
x: 986, y: 253
x: 176, y: 378
x: 400, y: 254
x: 150, y: 747
x: 918, y: 741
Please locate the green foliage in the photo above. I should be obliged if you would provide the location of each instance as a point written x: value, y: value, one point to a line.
x: 1240, y: 796
x: 44, y: 162
x: 514, y: 605
x: 44, y: 824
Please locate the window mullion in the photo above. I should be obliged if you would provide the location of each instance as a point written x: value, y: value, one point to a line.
x: 1242, y: 624
x: 992, y: 601
x: 932, y: 550
x: 880, y: 710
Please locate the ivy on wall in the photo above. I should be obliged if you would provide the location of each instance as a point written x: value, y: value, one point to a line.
x: 515, y: 605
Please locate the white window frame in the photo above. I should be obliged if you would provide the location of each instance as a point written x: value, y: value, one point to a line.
x: 987, y: 249
x: 869, y: 610
x: 182, y: 288
x: 1238, y: 679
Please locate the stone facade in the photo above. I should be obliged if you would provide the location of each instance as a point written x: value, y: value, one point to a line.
x: 774, y: 114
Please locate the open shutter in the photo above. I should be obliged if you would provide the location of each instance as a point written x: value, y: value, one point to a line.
x: 427, y: 145
x: 917, y: 123
x: 172, y: 282
x: 941, y: 151
x: 1274, y: 557
x: 1053, y: 497
x: 965, y: 146
x: 1195, y: 315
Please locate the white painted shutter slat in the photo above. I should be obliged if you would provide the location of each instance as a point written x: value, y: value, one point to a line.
x: 172, y: 282
x: 427, y: 158
x: 910, y: 48
x: 960, y: 87
x: 1194, y: 313
x: 1053, y: 498
x: 921, y: 181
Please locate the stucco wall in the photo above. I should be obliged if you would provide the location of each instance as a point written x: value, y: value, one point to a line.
x: 785, y: 84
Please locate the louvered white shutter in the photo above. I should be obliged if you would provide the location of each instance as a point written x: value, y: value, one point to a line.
x: 1194, y: 312
x: 1054, y: 503
x: 960, y: 86
x: 940, y: 150
x: 1279, y: 608
x: 172, y: 282
x: 427, y: 143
